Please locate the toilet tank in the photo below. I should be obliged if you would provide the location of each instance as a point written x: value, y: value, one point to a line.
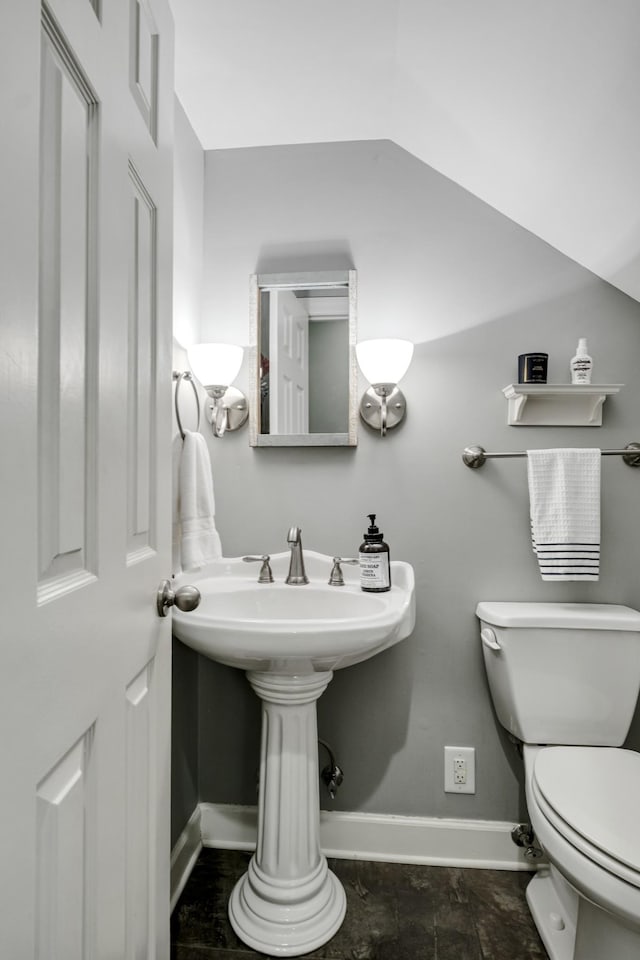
x: 564, y: 673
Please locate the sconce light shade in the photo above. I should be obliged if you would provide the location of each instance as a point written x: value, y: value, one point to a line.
x: 383, y: 363
x: 215, y: 364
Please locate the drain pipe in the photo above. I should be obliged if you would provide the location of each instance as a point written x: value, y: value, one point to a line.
x: 332, y: 775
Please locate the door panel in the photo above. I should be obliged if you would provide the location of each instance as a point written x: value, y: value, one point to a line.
x: 141, y: 414
x: 140, y: 859
x: 143, y: 63
x: 66, y: 820
x: 67, y: 314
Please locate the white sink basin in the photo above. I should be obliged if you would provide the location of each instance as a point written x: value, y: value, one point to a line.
x: 290, y: 639
x: 277, y: 627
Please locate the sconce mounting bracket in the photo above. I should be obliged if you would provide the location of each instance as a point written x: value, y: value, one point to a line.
x: 371, y: 409
x: 233, y: 405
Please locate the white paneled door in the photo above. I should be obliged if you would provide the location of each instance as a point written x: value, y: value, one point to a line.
x: 86, y: 106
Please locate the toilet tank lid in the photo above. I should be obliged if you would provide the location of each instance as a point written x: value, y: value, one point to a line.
x: 577, y: 616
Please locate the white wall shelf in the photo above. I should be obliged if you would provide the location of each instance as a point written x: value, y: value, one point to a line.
x: 557, y: 404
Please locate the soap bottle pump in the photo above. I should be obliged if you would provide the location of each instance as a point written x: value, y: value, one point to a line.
x: 375, y: 569
x: 582, y: 364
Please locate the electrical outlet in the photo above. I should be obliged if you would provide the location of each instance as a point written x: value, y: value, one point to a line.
x: 459, y: 770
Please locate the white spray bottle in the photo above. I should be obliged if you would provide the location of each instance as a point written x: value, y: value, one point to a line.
x: 581, y: 365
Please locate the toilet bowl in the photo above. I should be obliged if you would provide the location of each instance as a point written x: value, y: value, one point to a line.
x: 582, y: 803
x: 564, y: 679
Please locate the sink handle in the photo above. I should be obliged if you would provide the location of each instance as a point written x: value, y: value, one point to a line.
x: 186, y: 598
x: 265, y: 575
x: 336, y: 579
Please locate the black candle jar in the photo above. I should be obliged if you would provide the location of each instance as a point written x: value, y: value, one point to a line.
x: 532, y: 367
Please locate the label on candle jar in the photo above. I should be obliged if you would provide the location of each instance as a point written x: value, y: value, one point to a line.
x: 532, y: 367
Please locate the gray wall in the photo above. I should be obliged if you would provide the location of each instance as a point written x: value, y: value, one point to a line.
x: 473, y: 290
x: 184, y: 737
x: 328, y: 376
x: 187, y: 296
x: 188, y: 225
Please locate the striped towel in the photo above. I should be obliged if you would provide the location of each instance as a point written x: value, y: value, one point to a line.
x: 564, y: 497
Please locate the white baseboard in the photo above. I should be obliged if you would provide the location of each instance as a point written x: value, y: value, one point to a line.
x: 483, y: 844
x: 184, y: 855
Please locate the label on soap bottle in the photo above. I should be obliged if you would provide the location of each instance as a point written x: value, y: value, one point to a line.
x: 374, y: 571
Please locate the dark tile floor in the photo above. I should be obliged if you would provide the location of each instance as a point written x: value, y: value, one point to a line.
x: 394, y: 912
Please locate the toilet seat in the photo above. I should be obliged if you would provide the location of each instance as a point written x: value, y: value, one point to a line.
x: 590, y: 796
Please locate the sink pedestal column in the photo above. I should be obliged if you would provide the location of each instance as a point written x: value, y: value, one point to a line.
x: 288, y: 902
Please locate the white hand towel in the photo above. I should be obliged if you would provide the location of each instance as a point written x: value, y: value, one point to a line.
x: 199, y: 542
x: 564, y: 497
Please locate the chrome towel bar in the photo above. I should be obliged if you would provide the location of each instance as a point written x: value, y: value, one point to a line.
x: 475, y: 456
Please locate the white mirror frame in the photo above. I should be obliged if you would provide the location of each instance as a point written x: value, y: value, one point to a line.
x: 294, y: 281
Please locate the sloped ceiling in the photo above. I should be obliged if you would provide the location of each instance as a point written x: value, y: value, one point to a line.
x: 532, y: 106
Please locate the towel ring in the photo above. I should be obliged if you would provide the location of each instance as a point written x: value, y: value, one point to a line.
x: 179, y: 377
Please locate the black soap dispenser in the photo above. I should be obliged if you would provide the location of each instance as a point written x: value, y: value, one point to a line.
x: 375, y: 569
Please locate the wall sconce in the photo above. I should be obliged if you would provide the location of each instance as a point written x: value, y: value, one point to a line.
x: 383, y: 363
x: 216, y: 365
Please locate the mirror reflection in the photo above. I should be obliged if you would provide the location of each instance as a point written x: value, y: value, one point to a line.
x: 303, y: 332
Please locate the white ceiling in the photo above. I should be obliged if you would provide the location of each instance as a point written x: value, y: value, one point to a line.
x: 532, y: 106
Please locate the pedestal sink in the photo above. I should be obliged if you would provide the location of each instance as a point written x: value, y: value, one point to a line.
x: 289, y: 640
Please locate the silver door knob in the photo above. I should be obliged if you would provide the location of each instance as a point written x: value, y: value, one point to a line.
x: 185, y: 598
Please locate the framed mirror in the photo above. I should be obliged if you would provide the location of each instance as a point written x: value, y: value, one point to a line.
x: 303, y: 377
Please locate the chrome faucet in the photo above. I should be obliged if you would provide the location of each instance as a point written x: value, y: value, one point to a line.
x: 296, y: 566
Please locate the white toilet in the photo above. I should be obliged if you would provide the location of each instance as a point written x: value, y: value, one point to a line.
x: 564, y: 678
